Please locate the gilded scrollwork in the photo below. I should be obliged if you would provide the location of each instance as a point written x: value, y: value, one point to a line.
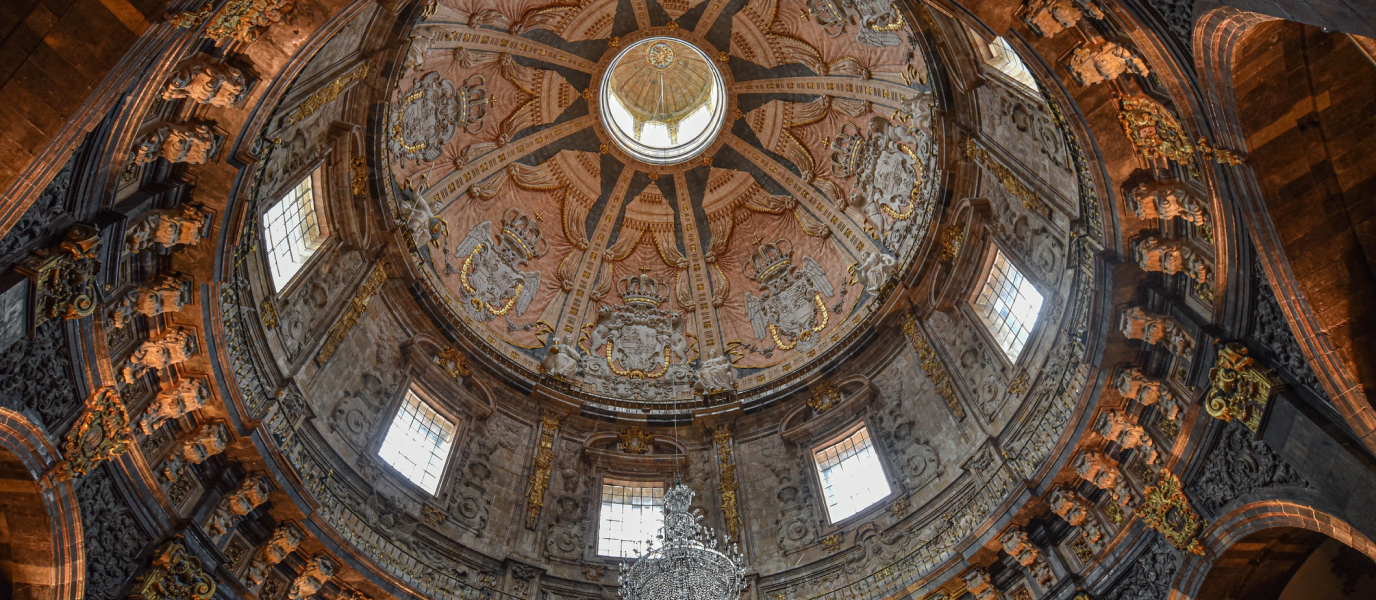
x: 1240, y: 388
x: 635, y: 440
x: 931, y: 364
x: 1156, y: 132
x: 1168, y: 511
x: 101, y: 434
x: 728, y: 485
x: 64, y: 276
x: 175, y: 574
x: 544, y: 460
x: 357, y: 306
x: 237, y: 20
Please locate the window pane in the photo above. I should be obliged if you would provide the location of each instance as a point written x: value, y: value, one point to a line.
x: 852, y: 478
x: 632, y: 513
x: 1009, y: 306
x: 292, y: 230
x: 418, y: 443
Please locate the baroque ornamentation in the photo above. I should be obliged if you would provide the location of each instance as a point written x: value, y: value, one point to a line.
x: 492, y: 282
x: 44, y: 213
x: 1272, y: 332
x: 1123, y: 430
x: 1105, y: 63
x: 175, y: 574
x: 318, y: 570
x: 1049, y: 17
x: 790, y: 310
x: 35, y: 377
x: 952, y: 237
x: 237, y: 20
x: 163, y: 295
x: 1157, y: 134
x: 173, y: 403
x: 101, y: 434
x: 824, y: 397
x: 1168, y: 511
x: 327, y: 94
x: 644, y: 350
x: 1031, y: 200
x: 1102, y: 472
x: 192, y: 143
x: 173, y: 347
x: 1132, y: 384
x: 1170, y: 199
x: 888, y: 174
x: 831, y: 542
x: 716, y: 374
x: 453, y: 363
x: 1152, y: 328
x: 635, y: 440
x: 425, y: 120
x: 64, y: 276
x: 931, y: 364
x: 879, y: 21
x: 1151, y: 574
x: 207, y: 81
x: 357, y: 305
x: 1239, y: 465
x: 727, y: 485
x: 544, y: 459
x: 208, y: 440
x: 1240, y: 388
x: 979, y: 584
x: 1160, y: 255
x: 186, y: 224
x: 111, y: 535
x: 234, y: 505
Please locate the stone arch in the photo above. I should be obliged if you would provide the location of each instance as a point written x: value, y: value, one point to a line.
x: 1329, y: 331
x: 46, y: 558
x: 1257, y: 517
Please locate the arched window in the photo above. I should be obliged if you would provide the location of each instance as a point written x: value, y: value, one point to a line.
x: 293, y: 229
x: 1008, y: 305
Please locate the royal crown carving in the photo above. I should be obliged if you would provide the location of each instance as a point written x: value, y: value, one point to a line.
x: 1049, y: 17
x: 643, y: 290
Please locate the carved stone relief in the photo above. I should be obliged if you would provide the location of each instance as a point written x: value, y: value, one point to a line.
x: 1163, y: 255
x: 173, y: 403
x: 874, y: 549
x: 208, y: 440
x: 35, y: 377
x: 1149, y: 391
x: 318, y: 570
x: 183, y: 225
x: 901, y: 393
x: 1152, y: 328
x: 1272, y: 332
x: 1122, y: 429
x: 976, y: 366
x: 171, y: 348
x: 1039, y: 245
x: 1151, y: 574
x: 1026, y: 130
x: 235, y: 504
x: 1102, y: 472
x: 43, y: 215
x: 387, y: 515
x: 471, y: 501
x: 1089, y: 66
x: 192, y: 143
x: 356, y: 415
x: 1239, y: 465
x: 207, y: 81
x: 163, y: 295
x: 111, y: 536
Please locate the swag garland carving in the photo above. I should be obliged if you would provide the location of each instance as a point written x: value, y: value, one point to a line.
x: 101, y: 434
x: 175, y: 574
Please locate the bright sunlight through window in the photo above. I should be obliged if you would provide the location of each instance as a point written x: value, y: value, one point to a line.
x: 1006, y: 60
x: 632, y: 513
x: 852, y: 478
x: 418, y: 443
x: 1009, y: 305
x: 293, y: 232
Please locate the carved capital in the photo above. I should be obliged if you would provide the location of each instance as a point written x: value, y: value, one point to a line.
x: 1240, y: 388
x: 175, y: 574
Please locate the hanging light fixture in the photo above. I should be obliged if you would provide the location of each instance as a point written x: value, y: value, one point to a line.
x: 690, y: 563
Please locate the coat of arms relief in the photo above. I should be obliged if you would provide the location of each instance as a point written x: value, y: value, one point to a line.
x: 790, y: 309
x: 492, y: 282
x: 639, y: 349
x: 879, y: 20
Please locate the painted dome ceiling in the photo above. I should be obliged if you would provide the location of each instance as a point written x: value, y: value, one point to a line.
x: 770, y: 243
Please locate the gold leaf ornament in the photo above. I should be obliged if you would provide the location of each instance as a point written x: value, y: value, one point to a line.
x: 1168, y: 511
x: 101, y: 434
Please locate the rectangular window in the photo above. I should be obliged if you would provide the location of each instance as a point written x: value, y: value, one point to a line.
x: 292, y: 231
x: 852, y: 478
x: 418, y: 443
x: 632, y: 514
x: 1009, y: 306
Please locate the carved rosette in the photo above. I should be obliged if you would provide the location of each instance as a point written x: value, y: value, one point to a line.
x: 1240, y: 388
x: 101, y: 434
x: 1168, y: 511
x: 175, y: 574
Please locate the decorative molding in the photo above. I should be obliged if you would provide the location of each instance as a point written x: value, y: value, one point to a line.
x: 357, y: 305
x: 1168, y: 511
x: 101, y: 434
x: 728, y: 486
x: 64, y: 276
x: 1239, y: 387
x: 544, y: 459
x: 1031, y: 200
x: 175, y: 574
x: 931, y: 364
x: 1156, y: 133
x: 824, y: 397
x: 327, y: 94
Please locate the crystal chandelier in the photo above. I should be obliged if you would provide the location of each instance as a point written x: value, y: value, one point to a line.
x: 690, y: 564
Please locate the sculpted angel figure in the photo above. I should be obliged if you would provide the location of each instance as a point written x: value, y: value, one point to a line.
x: 562, y: 360
x: 874, y: 269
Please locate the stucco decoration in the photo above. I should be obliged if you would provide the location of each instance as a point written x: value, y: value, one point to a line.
x: 544, y: 223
